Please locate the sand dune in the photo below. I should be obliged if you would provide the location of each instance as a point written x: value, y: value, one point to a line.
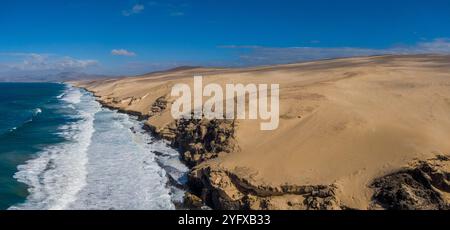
x: 343, y: 123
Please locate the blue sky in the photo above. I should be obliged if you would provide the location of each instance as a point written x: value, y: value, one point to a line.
x: 133, y: 37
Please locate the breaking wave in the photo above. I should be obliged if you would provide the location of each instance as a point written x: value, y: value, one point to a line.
x: 107, y: 162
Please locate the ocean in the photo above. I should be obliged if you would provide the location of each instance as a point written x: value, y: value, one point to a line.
x: 59, y: 149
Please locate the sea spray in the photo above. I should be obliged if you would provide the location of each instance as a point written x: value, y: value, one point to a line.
x: 107, y: 162
x: 58, y: 173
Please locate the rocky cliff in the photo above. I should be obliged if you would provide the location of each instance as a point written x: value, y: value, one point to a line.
x: 355, y: 133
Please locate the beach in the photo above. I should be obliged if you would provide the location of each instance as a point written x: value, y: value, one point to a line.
x: 349, y: 129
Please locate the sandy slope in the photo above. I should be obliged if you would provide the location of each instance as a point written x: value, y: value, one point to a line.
x: 342, y: 122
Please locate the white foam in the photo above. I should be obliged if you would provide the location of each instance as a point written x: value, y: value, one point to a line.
x: 59, y: 172
x: 122, y: 172
x: 60, y: 96
x: 72, y: 95
x: 107, y: 162
x: 169, y: 159
x: 37, y: 111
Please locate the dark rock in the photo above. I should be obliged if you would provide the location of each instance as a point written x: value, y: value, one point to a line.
x: 158, y: 106
x: 416, y: 188
x: 192, y: 201
x: 203, y: 139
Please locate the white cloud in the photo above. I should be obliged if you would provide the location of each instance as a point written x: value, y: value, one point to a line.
x: 136, y: 9
x: 45, y: 62
x: 122, y: 52
x: 71, y: 63
x: 261, y: 55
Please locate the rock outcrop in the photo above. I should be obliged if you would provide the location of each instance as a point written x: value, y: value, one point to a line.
x: 158, y: 106
x: 192, y: 201
x: 222, y: 189
x: 199, y: 140
x: 424, y: 185
x: 339, y: 143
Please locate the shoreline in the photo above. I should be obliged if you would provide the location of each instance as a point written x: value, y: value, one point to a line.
x: 171, y: 182
x: 230, y: 172
x: 201, y: 190
x: 140, y: 151
x: 191, y: 200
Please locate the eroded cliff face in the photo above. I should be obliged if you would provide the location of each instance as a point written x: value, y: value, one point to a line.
x: 340, y: 143
x: 424, y: 185
x: 200, y: 140
x: 222, y: 189
x: 420, y: 185
x: 197, y: 140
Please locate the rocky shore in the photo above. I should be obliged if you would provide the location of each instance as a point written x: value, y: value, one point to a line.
x: 423, y: 185
x: 201, y: 140
x: 420, y: 185
x: 331, y: 152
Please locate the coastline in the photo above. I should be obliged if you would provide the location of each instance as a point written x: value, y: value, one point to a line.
x: 211, y: 186
x: 172, y: 182
x: 194, y: 201
x: 220, y: 175
x: 96, y: 145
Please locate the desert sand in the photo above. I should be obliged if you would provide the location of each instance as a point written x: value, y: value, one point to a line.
x: 344, y: 123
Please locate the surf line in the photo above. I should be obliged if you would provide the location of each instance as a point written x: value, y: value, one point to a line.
x: 235, y: 102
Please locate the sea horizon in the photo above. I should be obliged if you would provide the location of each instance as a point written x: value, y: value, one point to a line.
x: 233, y: 113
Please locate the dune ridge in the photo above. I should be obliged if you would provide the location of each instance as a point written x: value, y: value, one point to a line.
x: 344, y: 125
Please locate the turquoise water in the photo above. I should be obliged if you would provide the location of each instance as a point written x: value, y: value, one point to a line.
x: 30, y: 117
x: 59, y: 149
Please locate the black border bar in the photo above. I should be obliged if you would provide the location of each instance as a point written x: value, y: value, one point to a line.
x: 303, y: 219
